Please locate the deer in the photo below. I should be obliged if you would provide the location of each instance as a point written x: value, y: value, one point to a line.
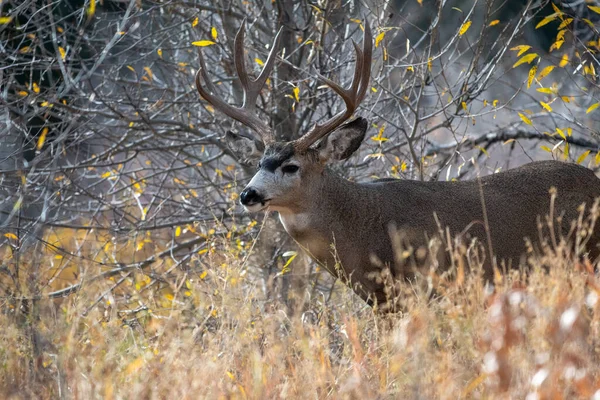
x: 356, y: 230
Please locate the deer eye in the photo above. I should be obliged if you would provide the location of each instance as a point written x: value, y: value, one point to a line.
x: 290, y: 169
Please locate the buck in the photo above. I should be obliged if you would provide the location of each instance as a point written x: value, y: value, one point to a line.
x: 356, y: 230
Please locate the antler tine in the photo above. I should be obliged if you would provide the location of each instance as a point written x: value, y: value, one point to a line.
x: 251, y: 88
x: 351, y: 96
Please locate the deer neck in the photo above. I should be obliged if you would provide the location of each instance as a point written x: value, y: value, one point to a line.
x: 315, y: 223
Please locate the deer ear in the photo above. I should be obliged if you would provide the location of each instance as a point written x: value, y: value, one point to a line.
x: 246, y: 149
x: 344, y: 141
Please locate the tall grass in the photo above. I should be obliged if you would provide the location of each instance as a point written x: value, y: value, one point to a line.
x: 203, y: 330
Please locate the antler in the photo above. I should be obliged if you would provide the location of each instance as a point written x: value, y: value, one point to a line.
x: 352, y: 96
x: 251, y: 88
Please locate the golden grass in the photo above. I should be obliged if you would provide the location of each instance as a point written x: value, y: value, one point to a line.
x: 204, y: 331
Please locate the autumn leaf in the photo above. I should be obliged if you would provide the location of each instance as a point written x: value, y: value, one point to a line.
x: 5, y: 20
x: 531, y: 76
x: 42, y: 138
x: 62, y: 52
x: 595, y: 9
x: 525, y: 119
x: 195, y: 22
x: 526, y: 59
x: 259, y: 61
x: 592, y: 108
x: 159, y: 52
x: 464, y: 28
x: 91, y: 10
x: 546, y: 106
x: 546, y: 148
x: 545, y: 72
x: 203, y: 43
x: 213, y: 33
x: 11, y: 236
x: 379, y: 38
x: 296, y: 91
x: 494, y: 22
x: 36, y: 87
x: 522, y: 48
x: 547, y: 20
x: 583, y: 156
x: 564, y: 60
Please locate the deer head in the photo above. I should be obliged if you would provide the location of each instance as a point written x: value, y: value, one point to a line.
x: 289, y: 171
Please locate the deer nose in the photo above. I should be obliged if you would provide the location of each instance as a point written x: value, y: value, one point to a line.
x: 250, y: 196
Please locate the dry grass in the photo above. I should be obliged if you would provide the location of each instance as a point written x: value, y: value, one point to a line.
x: 205, y: 332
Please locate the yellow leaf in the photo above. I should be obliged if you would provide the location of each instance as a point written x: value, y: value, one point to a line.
x: 546, y: 20
x: 140, y: 246
x: 36, y: 87
x: 583, y: 156
x: 561, y: 133
x: 464, y: 106
x: 546, y: 148
x: 592, y: 108
x: 159, y: 52
x: 259, y: 61
x: 149, y: 72
x: 566, y: 99
x: 595, y: 9
x: 522, y: 48
x: 296, y: 91
x: 23, y: 93
x: 91, y: 10
x: 557, y: 45
x: 203, y: 43
x: 62, y: 52
x: 169, y: 296
x: 379, y: 38
x: 5, y: 20
x: 546, y: 106
x: 134, y: 365
x: 526, y: 59
x: 557, y: 10
x: 45, y: 104
x: 570, y: 131
x: 590, y: 23
x: 494, y: 22
x: 374, y: 90
x: 24, y: 49
x: 525, y: 119
x: 42, y: 138
x: 129, y: 67
x: 566, y: 151
x: 213, y: 33
x: 564, y: 60
x: 106, y: 174
x: 178, y: 231
x: 565, y: 22
x: 546, y: 90
x: 11, y: 236
x: 597, y: 159
x: 464, y: 28
x: 532, y: 73
x: 494, y: 103
x: 203, y: 274
x: 195, y: 22
x: 545, y: 72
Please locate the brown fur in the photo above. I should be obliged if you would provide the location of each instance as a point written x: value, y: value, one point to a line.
x: 357, y: 218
